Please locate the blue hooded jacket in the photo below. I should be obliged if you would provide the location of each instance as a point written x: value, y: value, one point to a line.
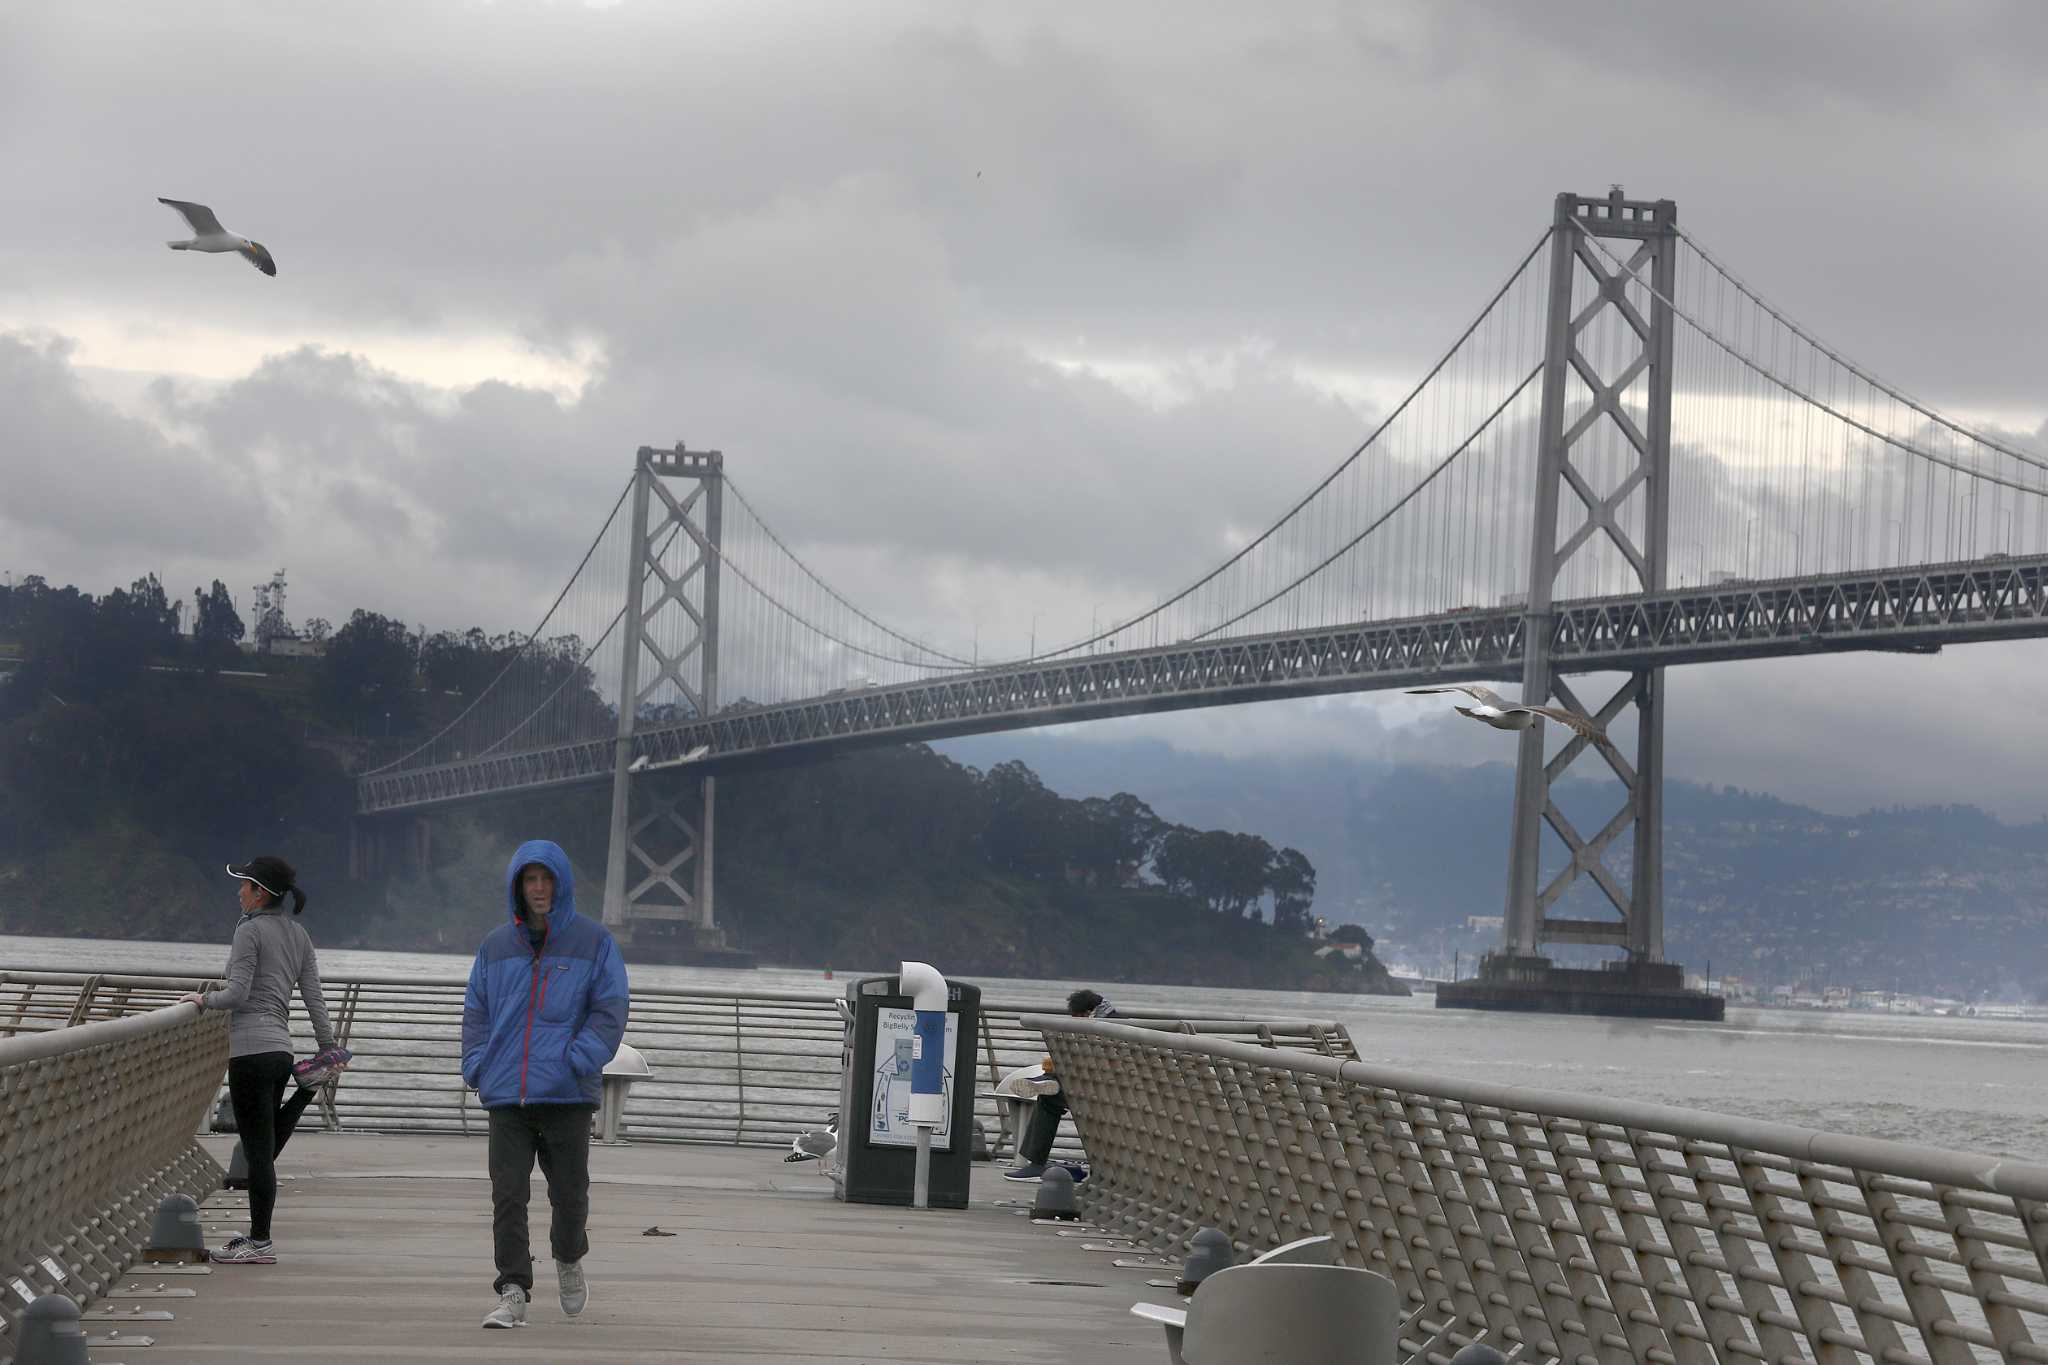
x: 539, y: 1025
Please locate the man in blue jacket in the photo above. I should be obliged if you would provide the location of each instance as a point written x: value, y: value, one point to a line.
x: 545, y: 1010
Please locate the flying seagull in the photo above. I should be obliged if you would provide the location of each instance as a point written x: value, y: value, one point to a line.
x: 1502, y: 714
x: 209, y: 235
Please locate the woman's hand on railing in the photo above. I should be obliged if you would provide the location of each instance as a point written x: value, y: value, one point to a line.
x: 191, y: 998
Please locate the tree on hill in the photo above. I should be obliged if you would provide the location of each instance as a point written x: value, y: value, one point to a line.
x: 365, y: 678
x: 213, y: 611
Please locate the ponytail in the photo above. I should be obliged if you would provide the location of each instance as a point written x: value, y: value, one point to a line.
x: 298, y: 900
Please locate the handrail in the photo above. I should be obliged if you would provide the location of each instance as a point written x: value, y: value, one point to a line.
x: 1559, y: 1226
x: 747, y: 1067
x: 97, y: 1122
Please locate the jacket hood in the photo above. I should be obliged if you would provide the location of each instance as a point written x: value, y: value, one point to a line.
x: 550, y: 856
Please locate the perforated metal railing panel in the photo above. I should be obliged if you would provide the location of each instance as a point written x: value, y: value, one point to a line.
x: 97, y: 1124
x: 1562, y: 1227
x: 735, y: 1067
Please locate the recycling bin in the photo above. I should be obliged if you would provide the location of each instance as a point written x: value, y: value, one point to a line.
x: 876, y: 1158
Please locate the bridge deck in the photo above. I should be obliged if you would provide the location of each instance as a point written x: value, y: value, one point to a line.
x: 386, y: 1255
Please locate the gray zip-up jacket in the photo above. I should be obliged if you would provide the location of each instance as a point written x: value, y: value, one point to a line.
x: 271, y: 954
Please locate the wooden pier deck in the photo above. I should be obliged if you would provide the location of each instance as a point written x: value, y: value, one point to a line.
x: 385, y: 1255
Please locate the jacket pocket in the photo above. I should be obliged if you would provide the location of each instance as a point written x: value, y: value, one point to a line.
x: 560, y: 992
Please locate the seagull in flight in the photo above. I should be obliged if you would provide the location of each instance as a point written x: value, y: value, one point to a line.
x: 209, y: 235
x: 1502, y: 714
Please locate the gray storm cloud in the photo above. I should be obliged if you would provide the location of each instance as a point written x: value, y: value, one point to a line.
x: 924, y: 272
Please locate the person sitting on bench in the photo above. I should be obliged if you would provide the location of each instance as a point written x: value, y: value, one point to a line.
x: 1035, y: 1148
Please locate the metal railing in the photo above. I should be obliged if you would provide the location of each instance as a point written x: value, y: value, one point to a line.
x: 1561, y: 1227
x: 731, y: 1067
x: 97, y: 1124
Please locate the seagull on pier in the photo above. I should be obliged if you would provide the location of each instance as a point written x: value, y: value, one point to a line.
x: 1502, y: 714
x: 816, y: 1143
x: 209, y: 235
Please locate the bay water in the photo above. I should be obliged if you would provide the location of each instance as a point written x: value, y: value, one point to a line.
x: 1976, y: 1084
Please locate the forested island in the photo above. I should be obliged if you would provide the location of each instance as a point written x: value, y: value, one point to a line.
x: 145, y: 741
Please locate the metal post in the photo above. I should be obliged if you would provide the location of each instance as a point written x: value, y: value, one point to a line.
x: 921, y: 1176
x: 629, y: 692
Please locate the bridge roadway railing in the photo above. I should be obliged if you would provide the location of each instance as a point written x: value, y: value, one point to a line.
x: 1562, y: 1227
x: 1921, y: 608
x: 97, y: 1124
x: 731, y: 1067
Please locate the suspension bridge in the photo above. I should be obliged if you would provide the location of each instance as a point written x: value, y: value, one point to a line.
x: 1629, y: 459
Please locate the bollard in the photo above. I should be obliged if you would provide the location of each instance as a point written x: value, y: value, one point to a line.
x: 625, y: 1067
x: 1208, y: 1252
x: 927, y: 989
x: 174, y: 1233
x: 237, y: 1177
x: 51, y: 1333
x: 1055, y: 1195
x: 1478, y: 1353
x: 979, y: 1151
x: 223, y: 1116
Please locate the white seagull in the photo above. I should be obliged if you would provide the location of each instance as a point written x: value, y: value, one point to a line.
x: 1502, y: 714
x: 209, y: 235
x: 816, y: 1143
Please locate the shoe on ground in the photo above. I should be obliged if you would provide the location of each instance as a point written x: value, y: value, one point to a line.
x: 245, y: 1251
x: 1025, y: 1173
x: 321, y: 1065
x: 575, y: 1289
x: 511, y: 1309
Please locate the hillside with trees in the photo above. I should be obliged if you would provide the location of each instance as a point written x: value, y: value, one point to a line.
x: 135, y: 760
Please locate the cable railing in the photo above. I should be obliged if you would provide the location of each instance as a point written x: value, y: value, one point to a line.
x: 728, y: 1067
x: 1560, y: 1227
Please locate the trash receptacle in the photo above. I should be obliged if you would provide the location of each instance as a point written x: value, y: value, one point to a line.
x: 876, y: 1162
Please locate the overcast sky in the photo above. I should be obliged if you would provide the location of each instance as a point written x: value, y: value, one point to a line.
x: 997, y: 311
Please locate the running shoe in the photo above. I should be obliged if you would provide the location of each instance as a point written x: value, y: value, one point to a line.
x: 245, y: 1251
x: 317, y: 1068
x: 511, y: 1309
x: 575, y: 1289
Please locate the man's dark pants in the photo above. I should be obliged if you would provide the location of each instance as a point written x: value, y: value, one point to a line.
x: 1036, y: 1146
x: 559, y: 1135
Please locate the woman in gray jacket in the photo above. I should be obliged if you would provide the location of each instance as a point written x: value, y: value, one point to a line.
x: 270, y: 956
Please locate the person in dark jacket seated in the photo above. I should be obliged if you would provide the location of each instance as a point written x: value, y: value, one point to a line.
x: 1035, y: 1148
x: 545, y: 1010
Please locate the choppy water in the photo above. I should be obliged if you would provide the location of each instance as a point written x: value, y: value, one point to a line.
x: 1975, y: 1084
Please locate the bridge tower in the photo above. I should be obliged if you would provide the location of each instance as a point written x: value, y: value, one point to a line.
x: 1586, y: 293
x: 659, y: 866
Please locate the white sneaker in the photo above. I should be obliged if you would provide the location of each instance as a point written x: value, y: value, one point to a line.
x: 511, y: 1309
x: 575, y: 1291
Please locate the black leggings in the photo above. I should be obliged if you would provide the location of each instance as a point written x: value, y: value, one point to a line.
x: 265, y: 1120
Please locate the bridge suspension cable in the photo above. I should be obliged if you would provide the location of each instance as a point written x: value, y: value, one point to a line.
x: 432, y: 746
x: 1788, y: 459
x: 1308, y: 502
x: 1889, y: 390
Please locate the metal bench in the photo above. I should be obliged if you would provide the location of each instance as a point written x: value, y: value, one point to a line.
x: 1280, y: 1314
